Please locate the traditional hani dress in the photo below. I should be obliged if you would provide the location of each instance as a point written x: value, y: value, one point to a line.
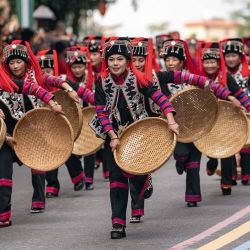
x: 119, y: 102
x: 14, y: 106
x: 228, y: 165
x: 74, y: 164
x: 241, y: 77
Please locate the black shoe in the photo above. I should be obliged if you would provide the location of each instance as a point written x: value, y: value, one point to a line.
x: 234, y: 183
x: 89, y: 186
x: 135, y: 219
x: 244, y: 183
x: 179, y: 167
x: 149, y: 191
x: 211, y: 166
x: 118, y: 232
x: 192, y: 204
x: 79, y: 185
x: 226, y: 191
x: 51, y: 195
x: 37, y: 210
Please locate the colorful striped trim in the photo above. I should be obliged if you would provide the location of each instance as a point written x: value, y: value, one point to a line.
x: 137, y: 212
x: 193, y: 164
x: 242, y: 96
x: 162, y: 101
x: 53, y: 81
x: 119, y: 221
x: 118, y: 185
x: 38, y: 204
x: 86, y: 95
x: 192, y: 197
x: 30, y: 88
x: 78, y: 178
x: 245, y: 177
x: 185, y: 77
x: 89, y: 180
x: 181, y: 159
x: 6, y: 183
x: 103, y: 116
x: 245, y: 150
x: 106, y: 174
x: 53, y: 190
x: 5, y: 216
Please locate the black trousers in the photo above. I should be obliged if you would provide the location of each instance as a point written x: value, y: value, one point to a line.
x: 188, y: 155
x: 228, y: 167
x: 101, y: 157
x: 75, y: 170
x: 245, y: 164
x: 38, y: 183
x: 119, y: 187
x: 89, y: 168
x: 7, y: 158
x: 137, y: 203
x: 228, y: 170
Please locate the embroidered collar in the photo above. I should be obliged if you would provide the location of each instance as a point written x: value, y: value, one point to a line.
x: 119, y: 80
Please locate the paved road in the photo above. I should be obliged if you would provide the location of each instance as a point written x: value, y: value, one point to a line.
x: 81, y: 220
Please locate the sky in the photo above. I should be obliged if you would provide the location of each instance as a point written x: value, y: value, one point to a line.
x: 175, y: 12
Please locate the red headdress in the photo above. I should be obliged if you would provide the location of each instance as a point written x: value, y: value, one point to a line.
x: 179, y: 49
x: 144, y: 47
x: 22, y: 50
x: 212, y: 50
x: 235, y: 45
x: 122, y: 46
x: 79, y: 55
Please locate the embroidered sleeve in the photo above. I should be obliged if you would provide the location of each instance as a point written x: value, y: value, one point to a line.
x: 101, y: 110
x: 159, y: 98
x: 32, y: 88
x: 238, y: 92
x: 243, y: 98
x: 52, y: 81
x: 86, y: 95
x: 201, y: 81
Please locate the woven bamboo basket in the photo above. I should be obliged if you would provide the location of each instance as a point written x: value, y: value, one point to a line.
x: 44, y: 140
x: 87, y: 143
x: 145, y: 146
x: 248, y: 139
x: 72, y: 111
x: 228, y: 135
x: 3, y: 131
x: 218, y: 172
x: 196, y: 112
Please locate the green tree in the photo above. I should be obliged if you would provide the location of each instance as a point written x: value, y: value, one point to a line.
x: 242, y: 15
x: 154, y: 28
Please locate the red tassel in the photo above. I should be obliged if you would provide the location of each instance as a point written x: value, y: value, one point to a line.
x: 189, y: 63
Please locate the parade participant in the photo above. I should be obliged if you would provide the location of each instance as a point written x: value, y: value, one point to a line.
x: 19, y: 73
x: 81, y: 81
x: 143, y: 61
x: 159, y: 41
x: 237, y: 65
x: 212, y: 65
x: 187, y: 157
x: 94, y: 44
x: 177, y: 57
x: 49, y: 65
x: 119, y: 102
